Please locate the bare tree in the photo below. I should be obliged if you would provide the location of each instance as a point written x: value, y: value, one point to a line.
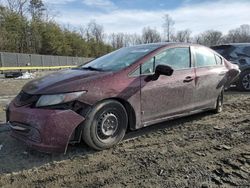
x: 94, y: 31
x: 150, y: 35
x: 197, y: 39
x: 37, y: 9
x: 183, y: 36
x: 168, y: 26
x: 209, y: 38
x: 241, y: 34
x: 117, y: 40
x: 50, y: 14
x: 135, y: 39
x: 17, y: 6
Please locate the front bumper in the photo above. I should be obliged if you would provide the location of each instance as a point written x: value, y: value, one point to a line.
x: 43, y: 129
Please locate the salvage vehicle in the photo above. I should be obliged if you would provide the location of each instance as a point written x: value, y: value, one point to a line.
x: 127, y: 89
x: 239, y: 54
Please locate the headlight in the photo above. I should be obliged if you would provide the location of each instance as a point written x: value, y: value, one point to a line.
x: 49, y: 100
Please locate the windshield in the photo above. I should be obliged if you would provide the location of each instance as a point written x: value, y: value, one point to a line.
x: 120, y: 59
x: 233, y: 53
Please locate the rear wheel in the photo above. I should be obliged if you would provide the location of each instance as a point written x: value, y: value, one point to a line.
x: 106, y: 125
x: 244, y: 81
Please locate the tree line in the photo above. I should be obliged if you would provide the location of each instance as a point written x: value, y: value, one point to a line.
x: 207, y: 38
x: 26, y: 26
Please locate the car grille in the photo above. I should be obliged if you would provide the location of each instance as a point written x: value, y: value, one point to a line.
x: 23, y: 99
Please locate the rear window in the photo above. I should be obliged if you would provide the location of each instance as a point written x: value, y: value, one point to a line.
x: 224, y: 50
x: 246, y: 51
x: 231, y: 52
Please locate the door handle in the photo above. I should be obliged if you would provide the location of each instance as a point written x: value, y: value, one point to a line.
x: 188, y: 79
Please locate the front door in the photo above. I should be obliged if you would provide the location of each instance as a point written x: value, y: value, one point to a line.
x: 169, y: 95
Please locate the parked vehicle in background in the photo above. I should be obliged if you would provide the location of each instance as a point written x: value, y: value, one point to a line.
x: 239, y: 54
x: 127, y: 89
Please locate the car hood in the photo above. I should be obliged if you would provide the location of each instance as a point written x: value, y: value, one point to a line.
x: 63, y: 81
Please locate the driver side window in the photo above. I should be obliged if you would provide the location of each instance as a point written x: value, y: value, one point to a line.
x: 177, y: 58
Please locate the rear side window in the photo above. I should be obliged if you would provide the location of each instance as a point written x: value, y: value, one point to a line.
x: 177, y: 58
x: 204, y: 57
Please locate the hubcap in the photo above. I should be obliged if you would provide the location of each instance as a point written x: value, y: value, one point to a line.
x: 246, y: 82
x: 107, y: 125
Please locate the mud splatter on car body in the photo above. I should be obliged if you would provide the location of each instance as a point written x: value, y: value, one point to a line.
x: 148, y: 97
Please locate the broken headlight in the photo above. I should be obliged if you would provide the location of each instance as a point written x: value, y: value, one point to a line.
x: 49, y: 100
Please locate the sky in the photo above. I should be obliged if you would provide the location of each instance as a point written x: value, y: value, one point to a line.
x: 131, y: 16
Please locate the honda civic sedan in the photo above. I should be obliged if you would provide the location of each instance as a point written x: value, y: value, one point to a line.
x: 128, y: 89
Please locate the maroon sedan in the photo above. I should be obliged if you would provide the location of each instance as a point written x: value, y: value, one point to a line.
x: 125, y: 90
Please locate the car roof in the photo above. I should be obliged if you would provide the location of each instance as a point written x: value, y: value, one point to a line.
x: 165, y: 44
x: 232, y: 44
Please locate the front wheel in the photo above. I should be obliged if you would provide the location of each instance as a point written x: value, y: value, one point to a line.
x: 105, y: 125
x: 219, y: 103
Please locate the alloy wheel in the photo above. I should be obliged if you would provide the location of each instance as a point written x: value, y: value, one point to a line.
x: 246, y: 82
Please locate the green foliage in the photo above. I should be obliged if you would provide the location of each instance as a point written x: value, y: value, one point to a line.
x: 25, y: 27
x: 19, y: 33
x: 13, y: 31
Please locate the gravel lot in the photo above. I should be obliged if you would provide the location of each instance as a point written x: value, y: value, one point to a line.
x: 203, y: 150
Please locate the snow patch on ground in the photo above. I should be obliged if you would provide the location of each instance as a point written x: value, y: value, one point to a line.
x: 26, y: 75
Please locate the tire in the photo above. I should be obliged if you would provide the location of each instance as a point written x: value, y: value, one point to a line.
x: 105, y: 125
x: 244, y: 81
x: 219, y: 103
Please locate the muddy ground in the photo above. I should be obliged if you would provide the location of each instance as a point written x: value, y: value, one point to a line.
x: 204, y: 150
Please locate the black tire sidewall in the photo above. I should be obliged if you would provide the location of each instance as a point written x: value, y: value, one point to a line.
x: 242, y: 75
x: 220, y: 100
x: 90, y: 135
x: 219, y: 107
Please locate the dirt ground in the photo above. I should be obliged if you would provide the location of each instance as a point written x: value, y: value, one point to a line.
x: 204, y: 150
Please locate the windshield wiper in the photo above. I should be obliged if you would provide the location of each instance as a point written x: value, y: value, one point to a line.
x: 91, y: 68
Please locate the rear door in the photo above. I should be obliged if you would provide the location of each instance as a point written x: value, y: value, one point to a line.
x: 169, y: 95
x: 210, y: 76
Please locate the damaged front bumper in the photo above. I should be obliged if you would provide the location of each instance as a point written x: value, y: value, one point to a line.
x: 45, y: 130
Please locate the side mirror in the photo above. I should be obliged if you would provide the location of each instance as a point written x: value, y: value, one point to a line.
x: 164, y: 70
x: 160, y: 70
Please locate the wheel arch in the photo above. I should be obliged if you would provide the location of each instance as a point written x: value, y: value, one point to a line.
x: 239, y: 84
x: 128, y: 107
x: 130, y: 111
